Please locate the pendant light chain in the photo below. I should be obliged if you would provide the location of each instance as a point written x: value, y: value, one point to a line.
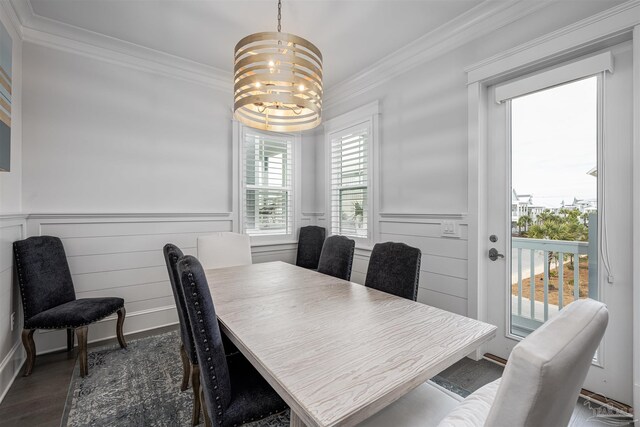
x: 279, y: 14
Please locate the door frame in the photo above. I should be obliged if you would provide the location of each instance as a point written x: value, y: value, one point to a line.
x: 604, y: 29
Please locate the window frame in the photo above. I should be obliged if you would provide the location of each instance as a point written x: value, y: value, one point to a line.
x: 239, y: 134
x: 367, y: 115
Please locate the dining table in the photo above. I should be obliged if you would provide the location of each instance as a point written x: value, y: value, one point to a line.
x: 336, y: 352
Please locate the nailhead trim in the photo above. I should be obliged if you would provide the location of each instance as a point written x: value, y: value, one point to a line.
x: 211, y: 366
x: 26, y: 307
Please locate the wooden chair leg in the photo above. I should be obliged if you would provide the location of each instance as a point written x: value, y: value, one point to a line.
x: 70, y: 339
x: 121, y: 315
x: 186, y: 367
x: 82, y: 346
x: 197, y: 397
x: 207, y: 420
x: 30, y: 348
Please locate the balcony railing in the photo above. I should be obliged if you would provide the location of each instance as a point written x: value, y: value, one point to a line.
x: 527, y: 310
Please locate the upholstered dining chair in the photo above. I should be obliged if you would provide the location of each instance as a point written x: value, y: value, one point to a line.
x: 310, y: 243
x: 224, y: 249
x: 336, y: 257
x: 232, y: 391
x: 190, y: 368
x: 539, y: 387
x: 49, y: 298
x: 394, y: 268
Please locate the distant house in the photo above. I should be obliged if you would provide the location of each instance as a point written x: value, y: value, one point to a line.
x: 521, y: 205
x: 583, y: 205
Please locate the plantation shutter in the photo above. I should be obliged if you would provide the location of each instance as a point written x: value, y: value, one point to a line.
x: 267, y: 184
x: 349, y: 182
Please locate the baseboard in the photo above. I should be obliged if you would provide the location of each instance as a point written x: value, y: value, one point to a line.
x: 10, y: 367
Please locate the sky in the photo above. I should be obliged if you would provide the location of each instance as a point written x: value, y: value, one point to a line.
x: 554, y: 143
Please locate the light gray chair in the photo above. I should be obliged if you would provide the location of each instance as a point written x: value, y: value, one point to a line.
x: 539, y: 387
x: 224, y: 249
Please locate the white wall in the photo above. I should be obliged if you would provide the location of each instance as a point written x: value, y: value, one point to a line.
x: 118, y: 162
x: 11, y: 224
x: 423, y: 155
x: 100, y: 137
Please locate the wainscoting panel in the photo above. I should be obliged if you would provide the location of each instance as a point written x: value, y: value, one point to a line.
x: 276, y: 252
x: 443, y: 270
x: 121, y: 255
x: 12, y: 228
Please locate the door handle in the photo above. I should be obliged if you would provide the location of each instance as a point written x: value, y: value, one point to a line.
x: 494, y: 255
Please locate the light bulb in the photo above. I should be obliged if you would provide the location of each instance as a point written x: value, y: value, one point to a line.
x: 301, y: 87
x: 271, y: 64
x: 258, y: 84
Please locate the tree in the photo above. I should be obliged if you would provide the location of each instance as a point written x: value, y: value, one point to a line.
x: 524, y: 222
x: 564, y: 225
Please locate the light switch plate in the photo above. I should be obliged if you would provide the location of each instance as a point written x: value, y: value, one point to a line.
x: 450, y: 228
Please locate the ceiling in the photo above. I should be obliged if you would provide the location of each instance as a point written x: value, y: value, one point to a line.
x: 352, y: 34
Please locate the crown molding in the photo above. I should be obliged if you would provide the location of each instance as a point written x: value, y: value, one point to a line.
x: 488, y: 16
x: 57, y: 35
x: 483, y: 19
x: 8, y: 10
x: 608, y: 23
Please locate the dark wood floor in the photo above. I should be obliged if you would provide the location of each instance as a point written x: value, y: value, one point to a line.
x: 38, y: 400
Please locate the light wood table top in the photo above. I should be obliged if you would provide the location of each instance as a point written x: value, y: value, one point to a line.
x: 335, y: 351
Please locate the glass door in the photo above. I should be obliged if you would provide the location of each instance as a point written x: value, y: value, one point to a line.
x: 559, y: 210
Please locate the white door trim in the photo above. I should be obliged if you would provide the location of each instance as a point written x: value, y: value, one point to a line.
x: 590, y: 32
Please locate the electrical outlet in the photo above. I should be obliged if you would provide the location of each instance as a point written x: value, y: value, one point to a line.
x: 13, y: 320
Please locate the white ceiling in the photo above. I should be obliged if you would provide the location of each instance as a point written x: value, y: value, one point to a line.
x: 352, y: 34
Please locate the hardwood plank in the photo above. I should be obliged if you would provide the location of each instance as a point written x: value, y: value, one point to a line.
x: 337, y: 352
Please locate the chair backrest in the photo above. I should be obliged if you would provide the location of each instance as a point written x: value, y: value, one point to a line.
x: 336, y: 257
x: 310, y: 244
x: 394, y: 268
x: 43, y: 274
x: 224, y: 249
x: 171, y: 255
x: 214, y: 371
x: 545, y: 371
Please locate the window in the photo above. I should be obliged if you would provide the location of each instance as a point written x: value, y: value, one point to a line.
x: 350, y: 182
x: 267, y: 183
x: 351, y: 152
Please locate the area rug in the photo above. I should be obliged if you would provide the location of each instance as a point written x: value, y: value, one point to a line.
x: 139, y: 386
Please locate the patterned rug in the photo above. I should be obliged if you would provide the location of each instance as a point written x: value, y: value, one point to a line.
x: 139, y: 386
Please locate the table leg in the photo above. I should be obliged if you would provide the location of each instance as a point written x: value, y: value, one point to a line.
x: 295, y: 420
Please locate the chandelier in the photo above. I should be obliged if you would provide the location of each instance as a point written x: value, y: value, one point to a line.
x: 277, y: 81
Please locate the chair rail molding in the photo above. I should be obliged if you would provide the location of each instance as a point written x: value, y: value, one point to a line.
x: 394, y: 216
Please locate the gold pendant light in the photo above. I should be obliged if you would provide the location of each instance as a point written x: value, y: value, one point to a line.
x: 277, y: 81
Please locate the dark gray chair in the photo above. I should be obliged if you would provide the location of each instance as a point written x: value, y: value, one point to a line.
x: 188, y: 354
x: 49, y: 298
x: 336, y: 258
x: 394, y: 268
x: 310, y: 244
x: 232, y: 391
